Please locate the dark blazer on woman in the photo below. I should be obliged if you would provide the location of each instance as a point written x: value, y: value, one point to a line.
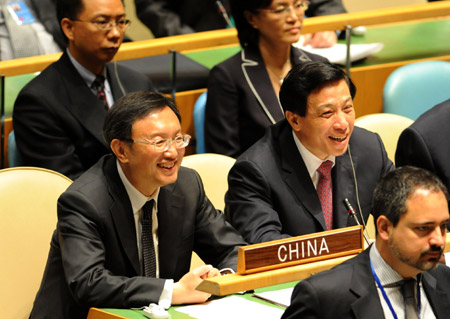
x: 241, y: 101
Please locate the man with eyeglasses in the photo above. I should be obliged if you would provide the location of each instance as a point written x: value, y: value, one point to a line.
x: 101, y: 254
x: 58, y: 116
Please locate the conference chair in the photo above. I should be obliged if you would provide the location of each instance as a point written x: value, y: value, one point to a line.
x: 28, y: 197
x: 199, y: 122
x: 415, y: 88
x: 213, y: 170
x: 388, y: 126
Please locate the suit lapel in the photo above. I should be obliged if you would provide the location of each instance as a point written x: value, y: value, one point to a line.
x: 170, y: 222
x: 343, y: 187
x: 122, y: 214
x: 436, y: 297
x: 86, y: 108
x: 367, y: 304
x: 259, y: 82
x: 296, y: 174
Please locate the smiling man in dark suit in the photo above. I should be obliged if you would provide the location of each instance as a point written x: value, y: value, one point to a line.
x: 58, y: 116
x: 276, y: 189
x: 411, y: 217
x: 101, y: 253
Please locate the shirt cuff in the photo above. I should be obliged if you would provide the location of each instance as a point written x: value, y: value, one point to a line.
x: 165, y: 300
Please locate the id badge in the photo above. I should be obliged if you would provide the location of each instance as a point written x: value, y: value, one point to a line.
x: 20, y: 12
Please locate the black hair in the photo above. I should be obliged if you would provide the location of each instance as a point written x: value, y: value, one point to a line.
x: 248, y: 36
x: 131, y: 107
x: 307, y: 77
x: 392, y: 191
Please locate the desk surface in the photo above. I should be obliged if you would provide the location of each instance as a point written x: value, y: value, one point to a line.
x: 138, y: 314
x: 407, y: 41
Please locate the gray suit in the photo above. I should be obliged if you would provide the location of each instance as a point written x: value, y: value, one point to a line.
x: 348, y: 291
x: 93, y: 260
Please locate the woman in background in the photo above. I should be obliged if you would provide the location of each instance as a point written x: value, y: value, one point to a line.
x: 243, y: 90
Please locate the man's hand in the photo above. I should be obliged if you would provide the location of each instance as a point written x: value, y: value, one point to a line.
x: 324, y: 39
x: 184, y: 290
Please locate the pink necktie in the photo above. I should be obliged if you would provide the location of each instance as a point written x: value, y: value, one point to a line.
x: 324, y: 190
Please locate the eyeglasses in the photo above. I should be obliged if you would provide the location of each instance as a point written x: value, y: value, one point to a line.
x: 300, y: 5
x: 104, y: 25
x: 163, y: 144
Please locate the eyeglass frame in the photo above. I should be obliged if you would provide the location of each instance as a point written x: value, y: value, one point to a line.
x: 304, y: 5
x: 109, y: 25
x: 186, y: 138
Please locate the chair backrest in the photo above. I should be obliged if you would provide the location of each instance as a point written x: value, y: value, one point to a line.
x: 415, y: 88
x: 213, y: 170
x: 28, y: 199
x: 388, y: 126
x: 199, y: 122
x: 14, y: 157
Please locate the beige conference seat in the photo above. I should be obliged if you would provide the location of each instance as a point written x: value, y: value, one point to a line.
x: 28, y: 198
x: 213, y: 170
x: 388, y: 126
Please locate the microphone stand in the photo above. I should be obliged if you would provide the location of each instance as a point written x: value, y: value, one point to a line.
x: 351, y: 212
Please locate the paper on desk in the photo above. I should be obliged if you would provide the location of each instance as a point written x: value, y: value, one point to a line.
x: 338, y: 52
x: 280, y: 297
x: 231, y: 307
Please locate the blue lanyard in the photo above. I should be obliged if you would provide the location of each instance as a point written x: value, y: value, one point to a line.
x: 386, y: 298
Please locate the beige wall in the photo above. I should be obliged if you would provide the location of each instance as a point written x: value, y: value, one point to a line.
x: 137, y: 30
x: 362, y: 5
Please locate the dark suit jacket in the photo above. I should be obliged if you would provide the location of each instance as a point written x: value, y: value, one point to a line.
x: 271, y: 195
x: 425, y: 143
x: 348, y: 291
x: 58, y: 121
x: 171, y: 17
x: 93, y: 260
x: 241, y: 101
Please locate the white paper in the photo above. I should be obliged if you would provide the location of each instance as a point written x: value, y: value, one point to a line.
x: 280, y: 297
x: 338, y: 52
x: 231, y: 307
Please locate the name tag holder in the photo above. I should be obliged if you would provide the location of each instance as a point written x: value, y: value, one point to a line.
x: 287, y: 260
x: 300, y: 250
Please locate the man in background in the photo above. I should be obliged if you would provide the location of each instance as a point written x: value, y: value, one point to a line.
x: 58, y: 116
x: 398, y: 276
x: 27, y: 29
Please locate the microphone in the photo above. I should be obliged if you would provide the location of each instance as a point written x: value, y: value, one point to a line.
x: 224, y: 13
x: 351, y: 212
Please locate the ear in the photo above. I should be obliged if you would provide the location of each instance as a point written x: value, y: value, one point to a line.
x: 384, y: 227
x: 120, y: 149
x: 250, y: 18
x: 295, y: 120
x: 67, y: 26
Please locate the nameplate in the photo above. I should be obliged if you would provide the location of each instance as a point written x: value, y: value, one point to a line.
x: 300, y: 250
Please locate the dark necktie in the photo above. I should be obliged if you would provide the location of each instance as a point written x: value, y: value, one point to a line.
x: 409, y: 300
x: 148, y: 247
x: 324, y: 190
x: 99, y: 87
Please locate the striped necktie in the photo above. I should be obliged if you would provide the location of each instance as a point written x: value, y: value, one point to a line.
x: 324, y: 190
